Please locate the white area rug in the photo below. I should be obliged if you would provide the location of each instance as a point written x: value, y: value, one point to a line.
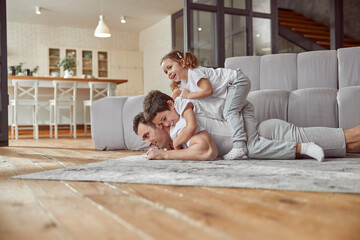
x: 334, y: 175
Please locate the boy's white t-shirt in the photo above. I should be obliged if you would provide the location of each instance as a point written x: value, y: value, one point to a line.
x: 217, y: 129
x: 180, y: 104
x: 212, y: 106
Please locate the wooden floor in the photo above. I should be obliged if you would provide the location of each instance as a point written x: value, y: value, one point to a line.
x: 38, y: 209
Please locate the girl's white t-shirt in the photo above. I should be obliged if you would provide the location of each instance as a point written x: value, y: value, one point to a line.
x: 219, y: 79
x: 212, y: 106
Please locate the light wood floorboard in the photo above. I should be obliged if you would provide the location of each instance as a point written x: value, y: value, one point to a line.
x: 38, y: 209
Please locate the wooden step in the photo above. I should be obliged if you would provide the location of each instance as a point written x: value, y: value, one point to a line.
x: 304, y: 26
x: 304, y: 30
x: 292, y: 20
x: 319, y: 37
x: 288, y: 12
x: 303, y: 18
x: 327, y: 44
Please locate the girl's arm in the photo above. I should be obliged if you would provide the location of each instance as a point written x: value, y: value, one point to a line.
x: 205, y: 90
x: 189, y: 130
x: 175, y: 93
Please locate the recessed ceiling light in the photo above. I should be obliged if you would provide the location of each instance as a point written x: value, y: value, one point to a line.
x: 123, y: 19
x: 38, y: 10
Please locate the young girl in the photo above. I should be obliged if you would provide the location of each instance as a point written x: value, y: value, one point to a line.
x: 189, y: 80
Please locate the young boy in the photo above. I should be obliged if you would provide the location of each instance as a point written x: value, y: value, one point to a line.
x: 163, y: 111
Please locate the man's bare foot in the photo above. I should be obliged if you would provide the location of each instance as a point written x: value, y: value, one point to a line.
x: 352, y: 138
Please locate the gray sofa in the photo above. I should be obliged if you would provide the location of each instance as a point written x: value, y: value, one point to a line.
x: 318, y: 88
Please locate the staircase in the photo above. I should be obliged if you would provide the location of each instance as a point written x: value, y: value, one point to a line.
x: 307, y: 33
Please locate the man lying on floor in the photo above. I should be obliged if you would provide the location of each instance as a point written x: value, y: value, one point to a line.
x: 203, y: 147
x: 216, y: 141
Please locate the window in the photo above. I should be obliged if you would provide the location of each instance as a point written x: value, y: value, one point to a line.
x: 217, y: 29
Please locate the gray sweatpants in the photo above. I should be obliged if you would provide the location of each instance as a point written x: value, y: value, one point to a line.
x: 332, y: 140
x: 237, y: 92
x: 260, y: 147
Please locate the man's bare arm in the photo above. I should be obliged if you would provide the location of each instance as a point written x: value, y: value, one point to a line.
x: 202, y: 147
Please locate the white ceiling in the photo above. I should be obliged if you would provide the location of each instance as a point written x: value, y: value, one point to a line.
x: 140, y: 14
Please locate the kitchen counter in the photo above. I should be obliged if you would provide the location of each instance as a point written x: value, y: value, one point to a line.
x: 46, y: 92
x: 80, y: 80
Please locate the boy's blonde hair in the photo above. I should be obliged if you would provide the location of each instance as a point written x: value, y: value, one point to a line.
x: 190, y: 61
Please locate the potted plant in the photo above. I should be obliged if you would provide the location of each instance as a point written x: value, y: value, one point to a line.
x: 67, y: 63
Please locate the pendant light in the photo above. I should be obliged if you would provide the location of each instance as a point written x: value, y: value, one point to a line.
x: 102, y: 30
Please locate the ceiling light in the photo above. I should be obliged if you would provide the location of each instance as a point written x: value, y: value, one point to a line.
x: 37, y: 10
x: 123, y: 19
x: 102, y: 30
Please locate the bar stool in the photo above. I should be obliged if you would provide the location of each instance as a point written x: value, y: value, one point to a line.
x: 97, y: 90
x: 64, y: 97
x: 26, y: 92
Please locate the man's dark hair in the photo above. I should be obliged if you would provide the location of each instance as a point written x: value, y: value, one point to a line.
x: 154, y: 102
x: 140, y: 118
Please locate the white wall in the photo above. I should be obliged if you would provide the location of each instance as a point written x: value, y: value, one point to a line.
x: 155, y: 42
x: 29, y: 42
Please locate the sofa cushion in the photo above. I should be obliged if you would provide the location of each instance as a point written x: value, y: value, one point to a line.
x: 107, y: 123
x: 250, y: 65
x: 349, y: 67
x: 269, y: 104
x: 132, y: 106
x: 349, y: 110
x: 313, y: 107
x: 317, y: 69
x: 278, y: 71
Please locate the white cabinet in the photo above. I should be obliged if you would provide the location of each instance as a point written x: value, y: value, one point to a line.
x: 88, y: 61
x: 128, y: 65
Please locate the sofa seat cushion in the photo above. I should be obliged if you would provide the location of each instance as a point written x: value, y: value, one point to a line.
x: 313, y: 107
x: 269, y: 104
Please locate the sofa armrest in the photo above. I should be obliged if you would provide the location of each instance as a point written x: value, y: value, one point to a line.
x: 107, y: 123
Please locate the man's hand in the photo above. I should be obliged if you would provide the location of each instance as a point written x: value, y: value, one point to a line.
x: 155, y: 153
x: 185, y: 93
